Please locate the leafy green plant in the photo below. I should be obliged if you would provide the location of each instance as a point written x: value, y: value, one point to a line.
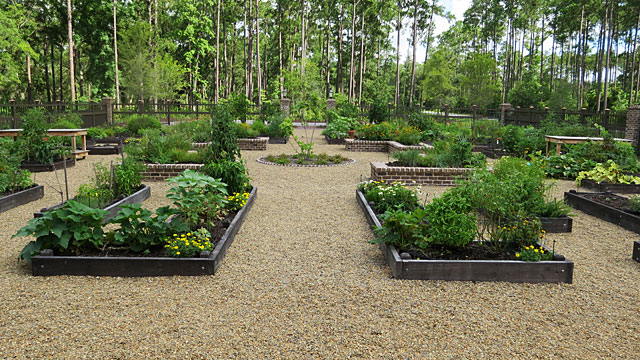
x: 553, y: 208
x: 534, y: 253
x: 609, y: 173
x: 223, y: 140
x: 140, y: 231
x: 401, y: 228
x: 409, y: 157
x: 244, y: 131
x: 67, y: 229
x: 128, y: 176
x: 389, y: 196
x: 96, y: 133
x: 198, y: 197
x: 450, y: 221
x: 634, y: 203
x: 189, y: 244
x: 94, y: 197
x: 137, y: 123
x: 338, y: 126
x: 279, y: 126
x: 74, y: 121
x: 233, y: 173
x: 282, y: 159
x: 34, y: 147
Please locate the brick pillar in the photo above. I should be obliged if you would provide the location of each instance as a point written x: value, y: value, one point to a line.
x: 504, y: 108
x: 331, y: 104
x: 107, y: 102
x: 285, y: 106
x: 633, y: 124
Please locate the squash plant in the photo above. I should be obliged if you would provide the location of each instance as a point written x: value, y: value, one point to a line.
x: 611, y: 173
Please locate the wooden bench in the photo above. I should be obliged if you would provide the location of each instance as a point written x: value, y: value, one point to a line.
x: 559, y: 140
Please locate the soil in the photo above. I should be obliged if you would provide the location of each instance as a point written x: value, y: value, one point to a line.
x: 294, y: 161
x: 613, y: 200
x: 474, y: 251
x: 217, y: 232
x: 17, y: 191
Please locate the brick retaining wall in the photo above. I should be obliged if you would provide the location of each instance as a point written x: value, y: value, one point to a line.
x: 161, y: 172
x: 421, y: 175
x: 379, y: 146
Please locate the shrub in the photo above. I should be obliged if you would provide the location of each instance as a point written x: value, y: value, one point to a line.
x: 409, y: 157
x: 610, y: 173
x: 337, y: 128
x: 232, y: 173
x: 389, y: 196
x: 244, y: 131
x: 634, y: 203
x: 198, y: 197
x: 408, y: 135
x: 381, y: 131
x: 279, y: 126
x: 32, y: 144
x: 259, y: 127
x: 72, y: 120
x: 96, y: 133
x: 447, y: 224
x: 127, y: 176
x: 137, y: 123
x: 224, y: 142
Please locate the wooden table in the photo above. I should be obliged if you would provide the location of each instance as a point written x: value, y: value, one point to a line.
x: 559, y: 140
x: 78, y: 154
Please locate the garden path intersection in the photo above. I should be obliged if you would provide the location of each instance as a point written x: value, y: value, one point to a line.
x: 301, y: 281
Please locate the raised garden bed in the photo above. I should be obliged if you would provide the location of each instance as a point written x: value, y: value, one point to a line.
x: 292, y: 162
x: 489, y: 151
x: 9, y: 201
x: 636, y: 251
x: 605, y: 186
x: 208, y: 263
x: 161, y: 172
x: 381, y: 171
x: 137, y: 197
x: 104, y: 149
x: 331, y: 141
x: 606, y: 206
x: 256, y: 144
x: 558, y: 270
x: 380, y: 146
x: 56, y: 165
x: 563, y: 224
x: 277, y: 140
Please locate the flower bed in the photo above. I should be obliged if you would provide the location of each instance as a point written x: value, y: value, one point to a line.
x: 562, y: 224
x: 291, y: 160
x: 46, y: 264
x: 332, y: 141
x: 422, y: 175
x: 606, y: 186
x: 380, y: 146
x: 56, y: 165
x: 160, y: 172
x: 557, y: 270
x: 606, y: 206
x: 137, y: 197
x: 9, y: 201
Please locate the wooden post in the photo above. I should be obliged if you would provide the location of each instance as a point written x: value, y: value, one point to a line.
x: 446, y: 114
x: 168, y: 104
x: 13, y: 113
x: 197, y: 111
x: 473, y: 121
x: 140, y: 106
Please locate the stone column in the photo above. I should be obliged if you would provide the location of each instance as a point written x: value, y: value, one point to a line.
x: 107, y: 102
x: 331, y: 104
x: 504, y: 108
x: 633, y: 124
x: 285, y: 106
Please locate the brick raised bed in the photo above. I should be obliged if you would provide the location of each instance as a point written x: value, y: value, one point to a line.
x: 56, y: 165
x: 207, y: 264
x: 277, y: 140
x: 605, y: 186
x: 22, y: 197
x: 160, y: 172
x: 137, y: 197
x: 259, y: 143
x: 555, y: 271
x: 621, y: 218
x: 380, y: 146
x: 636, y: 251
x: 422, y: 175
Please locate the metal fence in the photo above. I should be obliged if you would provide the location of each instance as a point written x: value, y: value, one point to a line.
x: 92, y: 113
x: 613, y: 121
x: 168, y: 112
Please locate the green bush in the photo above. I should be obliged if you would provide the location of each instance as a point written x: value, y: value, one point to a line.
x: 279, y: 126
x: 223, y: 140
x: 337, y: 128
x: 232, y: 173
x: 634, y: 203
x: 96, y: 133
x: 72, y: 120
x: 381, y: 131
x: 448, y: 225
x: 244, y: 131
x: 137, y: 123
x: 259, y: 127
x: 389, y: 196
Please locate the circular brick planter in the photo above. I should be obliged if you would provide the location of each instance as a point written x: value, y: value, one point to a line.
x: 262, y: 160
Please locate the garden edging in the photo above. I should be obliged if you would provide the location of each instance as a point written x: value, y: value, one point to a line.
x: 615, y: 188
x: 557, y: 271
x: 22, y: 197
x: 160, y: 172
x: 380, y: 171
x: 607, y: 213
x: 380, y: 146
x: 207, y: 264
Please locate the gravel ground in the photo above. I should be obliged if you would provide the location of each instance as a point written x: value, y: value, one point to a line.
x: 302, y: 281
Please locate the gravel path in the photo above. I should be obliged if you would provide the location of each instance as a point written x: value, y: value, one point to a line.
x: 301, y: 281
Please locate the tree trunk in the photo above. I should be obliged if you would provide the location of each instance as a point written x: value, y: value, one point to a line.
x: 601, y: 56
x: 328, y: 64
x: 606, y: 70
x: 353, y: 49
x: 280, y: 63
x: 29, y: 92
x: 415, y: 45
x: 583, y: 67
x: 632, y: 96
x: 71, y: 68
x: 339, y: 66
x: 426, y: 53
x: 61, y: 80
x: 553, y: 58
x: 542, y: 50
x: 216, y: 93
x: 115, y: 52
x: 258, y: 70
x: 46, y: 71
x: 53, y: 75
x: 361, y: 56
x: 398, y: 27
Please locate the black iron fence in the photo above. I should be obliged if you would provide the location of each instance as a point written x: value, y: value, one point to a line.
x: 613, y: 121
x: 169, y: 111
x: 92, y: 113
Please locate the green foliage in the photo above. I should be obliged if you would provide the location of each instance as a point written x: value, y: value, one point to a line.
x: 224, y: 142
x: 610, y: 173
x: 34, y: 148
x: 67, y: 229
x: 382, y: 131
x: 634, y: 203
x: 279, y: 126
x: 338, y: 126
x: 553, y: 208
x: 389, y: 196
x: 12, y: 178
x: 244, y: 131
x: 96, y: 133
x: 197, y: 131
x: 140, y: 231
x: 410, y: 158
x: 137, y: 123
x: 534, y: 253
x: 403, y: 229
x: 448, y: 225
x: 189, y: 244
x: 95, y: 197
x: 71, y: 120
x: 155, y: 148
x: 527, y: 93
x: 238, y: 107
x: 198, y: 197
x: 282, y: 159
x: 127, y: 176
x: 232, y: 173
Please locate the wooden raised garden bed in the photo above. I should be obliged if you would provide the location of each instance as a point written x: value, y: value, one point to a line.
x: 208, y: 263
x: 56, y: 165
x: 21, y: 197
x: 584, y: 202
x: 563, y: 224
x: 381, y: 171
x: 99, y: 147
x: 605, y: 186
x: 636, y: 251
x: 277, y: 140
x: 556, y: 271
x: 137, y: 197
x: 331, y: 141
x: 161, y: 172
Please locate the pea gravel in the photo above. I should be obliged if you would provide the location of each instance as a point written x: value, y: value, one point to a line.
x: 301, y: 281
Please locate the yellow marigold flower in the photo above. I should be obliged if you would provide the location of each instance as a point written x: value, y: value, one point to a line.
x: 517, y: 254
x: 536, y: 250
x: 178, y: 253
x: 175, y: 234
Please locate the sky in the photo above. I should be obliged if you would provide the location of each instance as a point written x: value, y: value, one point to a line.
x: 456, y: 7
